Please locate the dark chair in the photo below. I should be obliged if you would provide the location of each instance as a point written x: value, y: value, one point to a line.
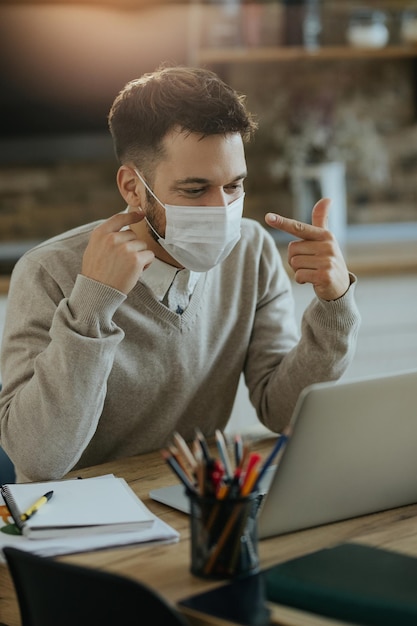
x: 52, y: 592
x: 7, y: 473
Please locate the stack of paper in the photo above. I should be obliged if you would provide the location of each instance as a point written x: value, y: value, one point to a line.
x: 81, y: 515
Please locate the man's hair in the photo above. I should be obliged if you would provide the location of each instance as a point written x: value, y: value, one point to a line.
x: 194, y: 100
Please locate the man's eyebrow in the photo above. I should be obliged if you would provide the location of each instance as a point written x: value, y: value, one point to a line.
x: 204, y: 181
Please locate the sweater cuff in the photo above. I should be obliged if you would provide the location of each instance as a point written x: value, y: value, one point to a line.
x: 342, y: 313
x: 92, y: 303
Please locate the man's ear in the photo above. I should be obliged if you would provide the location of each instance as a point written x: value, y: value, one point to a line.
x: 130, y: 186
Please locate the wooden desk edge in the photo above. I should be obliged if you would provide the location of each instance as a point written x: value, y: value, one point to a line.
x: 393, y: 529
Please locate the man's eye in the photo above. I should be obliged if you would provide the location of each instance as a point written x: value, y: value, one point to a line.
x: 194, y: 192
x: 234, y: 187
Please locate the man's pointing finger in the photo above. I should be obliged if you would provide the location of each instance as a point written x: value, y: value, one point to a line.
x: 301, y: 229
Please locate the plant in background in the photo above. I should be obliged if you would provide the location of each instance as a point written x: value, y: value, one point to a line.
x: 297, y: 132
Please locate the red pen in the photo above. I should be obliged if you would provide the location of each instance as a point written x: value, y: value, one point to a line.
x: 215, y: 474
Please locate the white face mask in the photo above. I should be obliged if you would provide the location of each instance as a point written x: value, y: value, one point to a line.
x: 199, y: 237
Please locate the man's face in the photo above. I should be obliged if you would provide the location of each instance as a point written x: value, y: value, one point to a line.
x: 197, y: 172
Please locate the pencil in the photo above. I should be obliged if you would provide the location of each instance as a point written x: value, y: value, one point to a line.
x: 179, y: 459
x: 221, y: 446
x: 247, y: 544
x: 200, y: 471
x: 188, y: 455
x: 223, y: 538
x: 238, y: 445
x: 251, y: 474
x: 178, y: 471
x: 245, y: 454
x: 203, y: 443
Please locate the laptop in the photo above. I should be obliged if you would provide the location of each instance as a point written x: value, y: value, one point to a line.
x: 352, y: 451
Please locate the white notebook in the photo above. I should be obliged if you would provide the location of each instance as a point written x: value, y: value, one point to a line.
x: 78, y: 507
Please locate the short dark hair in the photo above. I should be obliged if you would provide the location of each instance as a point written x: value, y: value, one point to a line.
x: 193, y: 99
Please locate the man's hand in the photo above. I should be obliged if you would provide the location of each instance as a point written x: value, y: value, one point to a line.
x: 114, y: 255
x: 316, y: 257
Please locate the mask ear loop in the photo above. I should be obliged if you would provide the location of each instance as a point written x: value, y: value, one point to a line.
x: 154, y: 196
x: 147, y: 187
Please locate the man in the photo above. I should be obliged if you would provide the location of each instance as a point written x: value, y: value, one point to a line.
x: 120, y: 333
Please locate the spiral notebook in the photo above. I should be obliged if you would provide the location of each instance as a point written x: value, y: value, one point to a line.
x: 105, y: 504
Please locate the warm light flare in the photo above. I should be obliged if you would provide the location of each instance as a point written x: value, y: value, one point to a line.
x: 83, y: 55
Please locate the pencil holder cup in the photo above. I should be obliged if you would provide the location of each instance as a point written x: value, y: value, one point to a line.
x: 224, y: 536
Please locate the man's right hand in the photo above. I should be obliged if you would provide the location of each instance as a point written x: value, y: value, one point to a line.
x: 114, y: 255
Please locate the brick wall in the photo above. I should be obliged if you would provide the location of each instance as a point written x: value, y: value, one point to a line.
x: 40, y: 201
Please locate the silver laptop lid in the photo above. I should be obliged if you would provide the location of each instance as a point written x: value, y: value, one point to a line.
x: 353, y: 451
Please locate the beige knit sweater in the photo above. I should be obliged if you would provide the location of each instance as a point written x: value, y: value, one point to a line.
x: 90, y: 375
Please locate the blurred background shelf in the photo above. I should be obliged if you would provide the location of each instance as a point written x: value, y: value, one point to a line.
x: 57, y: 167
x: 278, y: 54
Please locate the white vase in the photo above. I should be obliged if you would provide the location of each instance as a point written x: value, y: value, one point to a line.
x: 324, y: 180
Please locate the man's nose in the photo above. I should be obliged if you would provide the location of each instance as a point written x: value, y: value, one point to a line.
x: 218, y: 197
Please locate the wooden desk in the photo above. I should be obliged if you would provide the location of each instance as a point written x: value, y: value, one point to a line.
x: 166, y: 567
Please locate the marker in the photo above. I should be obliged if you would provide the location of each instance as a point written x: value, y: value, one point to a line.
x: 36, y: 506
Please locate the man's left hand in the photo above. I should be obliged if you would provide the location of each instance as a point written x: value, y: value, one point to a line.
x: 315, y: 257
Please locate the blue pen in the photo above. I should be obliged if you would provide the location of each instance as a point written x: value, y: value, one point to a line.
x: 282, y: 439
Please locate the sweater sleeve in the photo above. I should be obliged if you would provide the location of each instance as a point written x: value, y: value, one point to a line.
x: 280, y: 364
x: 57, y: 353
